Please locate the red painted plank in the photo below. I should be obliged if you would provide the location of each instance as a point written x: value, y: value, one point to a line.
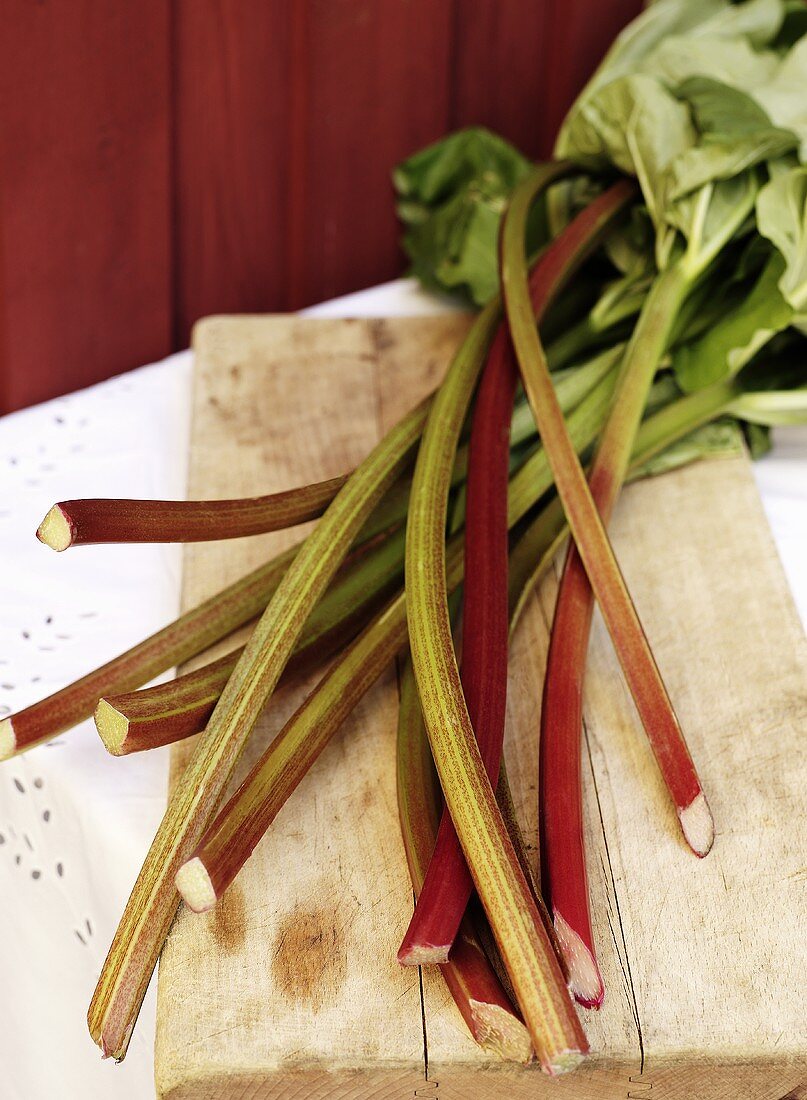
x: 500, y: 52
x: 232, y: 141
x: 579, y: 33
x: 173, y: 158
x: 371, y: 85
x: 84, y: 222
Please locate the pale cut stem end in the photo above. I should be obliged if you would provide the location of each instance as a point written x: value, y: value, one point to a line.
x: 112, y: 726
x: 564, y: 1062
x: 424, y: 955
x: 697, y: 825
x: 195, y: 886
x: 585, y: 980
x: 8, y: 739
x: 55, y: 530
x: 499, y: 1032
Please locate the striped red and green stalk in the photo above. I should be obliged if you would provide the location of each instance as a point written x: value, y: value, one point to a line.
x: 242, y: 821
x: 444, y: 893
x: 160, y: 715
x: 561, y: 812
x: 565, y: 881
x: 447, y: 886
x: 633, y: 650
x: 525, y: 947
x: 151, y: 907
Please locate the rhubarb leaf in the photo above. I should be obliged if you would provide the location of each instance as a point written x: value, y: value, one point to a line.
x: 783, y: 97
x: 736, y: 134
x: 451, y: 199
x: 736, y: 337
x: 670, y: 21
x: 782, y: 218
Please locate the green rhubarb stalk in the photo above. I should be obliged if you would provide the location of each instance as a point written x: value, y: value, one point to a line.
x: 153, y: 902
x: 161, y: 715
x: 526, y: 950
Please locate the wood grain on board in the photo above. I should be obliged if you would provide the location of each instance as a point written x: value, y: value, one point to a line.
x: 290, y: 989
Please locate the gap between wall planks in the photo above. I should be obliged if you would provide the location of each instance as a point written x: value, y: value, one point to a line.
x: 167, y: 159
x: 290, y: 988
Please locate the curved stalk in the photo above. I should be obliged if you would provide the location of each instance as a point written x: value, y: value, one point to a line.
x: 526, y: 950
x: 478, y: 993
x: 563, y: 860
x: 636, y: 658
x: 448, y: 885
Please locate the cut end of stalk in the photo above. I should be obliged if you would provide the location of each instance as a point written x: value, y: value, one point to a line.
x: 112, y: 727
x: 8, y: 739
x: 55, y: 529
x: 115, y: 1050
x: 563, y: 1062
x: 698, y: 825
x: 195, y: 886
x: 500, y: 1032
x: 423, y: 954
x: 585, y: 980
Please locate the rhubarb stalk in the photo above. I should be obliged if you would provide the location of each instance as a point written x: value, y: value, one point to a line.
x: 563, y: 856
x: 137, y: 720
x: 448, y: 885
x: 152, y: 905
x: 565, y: 881
x: 526, y: 950
x: 471, y: 979
x: 633, y: 650
x: 92, y: 521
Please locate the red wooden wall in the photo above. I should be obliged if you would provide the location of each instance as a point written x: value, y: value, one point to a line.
x: 164, y: 159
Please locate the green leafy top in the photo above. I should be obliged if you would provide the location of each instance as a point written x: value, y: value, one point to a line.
x: 782, y: 218
x: 689, y: 100
x: 451, y: 199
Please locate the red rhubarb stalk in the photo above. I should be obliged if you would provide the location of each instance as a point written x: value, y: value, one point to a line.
x: 633, y: 650
x: 92, y: 521
x: 448, y: 883
x: 561, y: 799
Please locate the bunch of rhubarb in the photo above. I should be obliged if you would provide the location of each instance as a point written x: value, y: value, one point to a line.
x: 643, y: 304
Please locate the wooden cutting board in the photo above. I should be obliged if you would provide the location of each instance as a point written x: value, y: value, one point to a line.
x: 290, y: 989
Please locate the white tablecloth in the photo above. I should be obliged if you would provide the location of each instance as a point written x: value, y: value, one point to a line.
x: 74, y: 822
